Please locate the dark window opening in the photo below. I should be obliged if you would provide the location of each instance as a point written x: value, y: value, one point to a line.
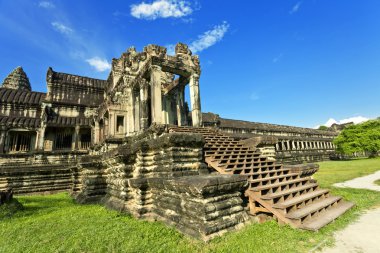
x: 63, y: 141
x: 120, y: 124
x: 85, y: 139
x: 19, y: 142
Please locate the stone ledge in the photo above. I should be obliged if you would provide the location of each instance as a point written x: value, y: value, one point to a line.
x: 200, y: 186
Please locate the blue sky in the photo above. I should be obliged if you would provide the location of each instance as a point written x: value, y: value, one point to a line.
x: 278, y: 61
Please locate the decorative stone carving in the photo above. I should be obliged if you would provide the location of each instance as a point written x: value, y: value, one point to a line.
x: 155, y: 50
x: 181, y: 48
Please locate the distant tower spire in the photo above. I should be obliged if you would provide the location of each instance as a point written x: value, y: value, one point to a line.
x: 17, y: 79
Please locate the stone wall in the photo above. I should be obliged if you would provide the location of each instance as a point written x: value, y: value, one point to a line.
x: 37, y: 173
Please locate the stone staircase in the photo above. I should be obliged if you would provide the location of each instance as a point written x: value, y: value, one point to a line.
x: 292, y: 199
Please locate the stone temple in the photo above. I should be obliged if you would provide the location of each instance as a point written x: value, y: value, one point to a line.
x: 134, y: 144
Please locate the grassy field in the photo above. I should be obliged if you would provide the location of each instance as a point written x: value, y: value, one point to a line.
x: 377, y: 182
x: 56, y: 224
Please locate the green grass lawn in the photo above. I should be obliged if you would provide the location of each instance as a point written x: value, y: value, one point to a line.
x: 54, y: 223
x: 377, y: 182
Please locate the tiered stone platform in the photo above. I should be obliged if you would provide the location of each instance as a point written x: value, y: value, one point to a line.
x: 291, y: 197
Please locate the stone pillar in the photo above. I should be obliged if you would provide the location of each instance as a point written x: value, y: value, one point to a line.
x: 144, y: 106
x: 156, y: 97
x: 2, y: 141
x: 130, y: 111
x: 41, y: 138
x: 180, y: 104
x: 75, y: 144
x: 195, y: 100
x: 165, y: 110
x: 137, y: 110
x: 95, y: 137
x: 277, y: 146
x: 111, y: 125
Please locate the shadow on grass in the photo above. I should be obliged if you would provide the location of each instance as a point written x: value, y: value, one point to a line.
x: 44, y: 203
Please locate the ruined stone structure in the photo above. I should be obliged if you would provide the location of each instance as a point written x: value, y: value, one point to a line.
x: 132, y: 143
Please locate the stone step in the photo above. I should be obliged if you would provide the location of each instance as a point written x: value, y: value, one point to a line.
x: 325, y: 218
x: 314, y: 207
x: 228, y: 152
x: 252, y: 155
x: 305, y: 205
x: 301, y: 198
x: 264, y: 179
x: 276, y: 185
x: 260, y: 172
x: 289, y: 191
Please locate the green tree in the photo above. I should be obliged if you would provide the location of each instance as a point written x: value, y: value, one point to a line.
x: 364, y: 137
x: 325, y: 128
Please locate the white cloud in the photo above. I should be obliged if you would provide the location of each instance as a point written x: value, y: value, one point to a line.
x: 355, y: 119
x: 161, y: 9
x: 99, y: 64
x: 209, y: 38
x: 295, y: 8
x: 62, y: 28
x: 46, y: 5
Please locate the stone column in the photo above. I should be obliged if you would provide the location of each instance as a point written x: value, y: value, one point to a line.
x: 156, y: 96
x: 41, y: 138
x: 144, y: 106
x: 180, y: 104
x: 130, y: 111
x: 2, y: 141
x: 195, y: 100
x: 165, y: 110
x: 137, y: 110
x: 95, y: 137
x: 75, y: 145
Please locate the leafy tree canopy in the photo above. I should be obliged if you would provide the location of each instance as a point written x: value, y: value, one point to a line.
x: 323, y: 128
x: 364, y: 137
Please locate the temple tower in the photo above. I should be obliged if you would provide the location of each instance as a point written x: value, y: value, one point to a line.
x: 17, y: 80
x: 148, y: 87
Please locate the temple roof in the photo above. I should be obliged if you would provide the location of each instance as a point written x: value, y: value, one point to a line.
x: 63, y: 78
x: 24, y: 96
x: 21, y: 122
x: 17, y: 79
x: 68, y: 121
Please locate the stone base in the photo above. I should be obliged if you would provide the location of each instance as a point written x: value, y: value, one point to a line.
x: 200, y: 206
